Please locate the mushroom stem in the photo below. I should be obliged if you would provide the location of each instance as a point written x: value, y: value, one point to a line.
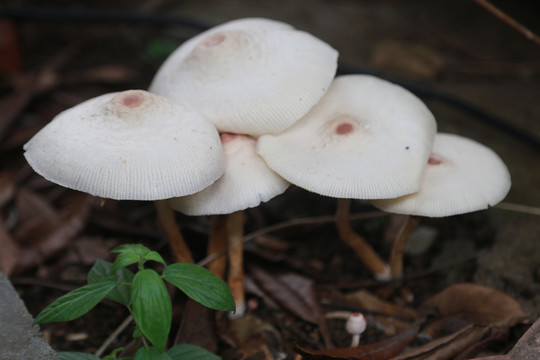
x: 166, y: 219
x: 217, y: 244
x: 363, y: 250
x: 235, y: 231
x: 355, y: 340
x: 396, y: 256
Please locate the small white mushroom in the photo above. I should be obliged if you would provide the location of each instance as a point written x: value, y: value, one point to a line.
x: 249, y: 76
x: 131, y: 145
x: 355, y: 325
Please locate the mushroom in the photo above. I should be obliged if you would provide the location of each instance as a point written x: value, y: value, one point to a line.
x: 461, y: 176
x: 366, y: 139
x: 249, y: 76
x: 130, y: 145
x: 355, y: 325
x: 246, y: 182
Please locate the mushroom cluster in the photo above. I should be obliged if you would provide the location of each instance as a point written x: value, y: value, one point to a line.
x: 242, y: 110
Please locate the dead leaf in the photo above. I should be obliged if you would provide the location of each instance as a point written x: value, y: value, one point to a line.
x: 9, y: 253
x: 7, y: 187
x: 380, y: 350
x: 527, y: 347
x: 486, y: 313
x: 198, y: 326
x: 72, y: 220
x: 255, y: 339
x: 447, y: 347
x: 292, y: 295
x: 481, y: 305
x: 385, y: 312
x: 295, y: 293
x: 36, y: 217
x: 10, y: 61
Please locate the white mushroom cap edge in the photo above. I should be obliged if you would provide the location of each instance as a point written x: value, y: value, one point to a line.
x: 366, y: 139
x: 131, y: 145
x: 462, y: 176
x: 246, y: 182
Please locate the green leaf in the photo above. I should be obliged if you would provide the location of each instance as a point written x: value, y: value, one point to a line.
x: 103, y: 269
x: 77, y: 302
x: 201, y: 285
x: 154, y: 256
x: 152, y: 308
x: 71, y: 355
x: 112, y: 355
x: 151, y: 353
x: 133, y: 253
x: 191, y: 352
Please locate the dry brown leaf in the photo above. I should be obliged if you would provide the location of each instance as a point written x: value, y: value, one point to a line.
x: 37, y: 217
x: 295, y: 293
x: 73, y: 218
x: 528, y: 346
x: 198, y: 326
x: 10, y: 61
x: 393, y: 314
x: 486, y: 313
x: 9, y: 251
x: 380, y: 350
x: 255, y: 339
x: 481, y: 305
x: 7, y: 187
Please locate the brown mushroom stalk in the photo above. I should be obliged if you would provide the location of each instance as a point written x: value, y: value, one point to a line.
x: 217, y: 246
x: 235, y: 252
x: 400, y: 243
x: 363, y: 250
x: 168, y: 224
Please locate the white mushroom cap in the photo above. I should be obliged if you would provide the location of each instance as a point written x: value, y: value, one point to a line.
x: 246, y: 183
x: 366, y: 139
x: 131, y: 145
x: 249, y: 76
x: 462, y: 176
x: 356, y: 324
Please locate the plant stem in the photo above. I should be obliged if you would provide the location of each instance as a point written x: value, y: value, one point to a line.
x: 363, y: 250
x: 166, y: 219
x: 235, y: 231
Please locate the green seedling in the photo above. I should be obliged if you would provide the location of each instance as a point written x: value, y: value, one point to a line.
x: 145, y: 295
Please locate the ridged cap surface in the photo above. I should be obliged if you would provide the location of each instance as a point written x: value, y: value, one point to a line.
x: 131, y: 145
x: 249, y: 76
x: 366, y: 139
x: 462, y: 176
x: 246, y: 183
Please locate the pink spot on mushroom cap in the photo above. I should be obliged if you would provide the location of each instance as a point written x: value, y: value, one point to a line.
x: 434, y: 160
x: 214, y: 40
x: 344, y: 128
x: 226, y: 137
x: 132, y: 100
